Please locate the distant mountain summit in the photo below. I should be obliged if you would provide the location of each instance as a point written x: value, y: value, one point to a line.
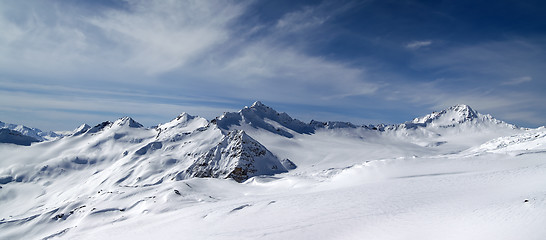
x: 129, y: 122
x: 456, y: 115
x: 261, y: 116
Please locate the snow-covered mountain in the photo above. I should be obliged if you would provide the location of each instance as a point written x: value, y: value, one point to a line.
x: 237, y: 156
x: 260, y: 116
x: 258, y: 173
x: 457, y: 115
x: 34, y: 133
x: 185, y: 147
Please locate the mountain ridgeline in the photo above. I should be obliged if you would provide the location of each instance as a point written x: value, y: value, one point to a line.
x: 191, y: 146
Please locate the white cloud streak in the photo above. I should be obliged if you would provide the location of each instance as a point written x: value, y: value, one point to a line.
x: 518, y: 81
x: 301, y: 20
x: 163, y: 35
x: 287, y: 71
x: 418, y: 44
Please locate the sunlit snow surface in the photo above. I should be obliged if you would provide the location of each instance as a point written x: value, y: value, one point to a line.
x: 477, y: 180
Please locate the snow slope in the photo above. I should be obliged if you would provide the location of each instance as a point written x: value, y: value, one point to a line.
x: 455, y: 174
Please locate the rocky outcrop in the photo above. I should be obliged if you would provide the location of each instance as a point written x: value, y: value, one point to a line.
x: 237, y: 156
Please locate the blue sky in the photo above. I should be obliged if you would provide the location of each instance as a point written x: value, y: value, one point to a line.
x: 63, y: 63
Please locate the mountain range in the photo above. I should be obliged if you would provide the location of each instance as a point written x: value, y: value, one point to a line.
x: 191, y: 146
x: 93, y: 173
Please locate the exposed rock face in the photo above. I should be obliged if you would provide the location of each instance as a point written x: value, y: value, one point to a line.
x: 99, y: 127
x: 237, y: 156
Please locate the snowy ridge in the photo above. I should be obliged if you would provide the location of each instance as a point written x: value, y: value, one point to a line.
x: 528, y: 141
x: 80, y: 130
x: 180, y: 126
x: 331, y: 124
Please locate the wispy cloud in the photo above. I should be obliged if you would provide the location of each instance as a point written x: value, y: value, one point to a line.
x: 297, y: 21
x: 161, y: 36
x: 269, y: 71
x: 180, y: 49
x: 310, y: 17
x: 418, y: 44
x: 150, y: 36
x: 517, y: 81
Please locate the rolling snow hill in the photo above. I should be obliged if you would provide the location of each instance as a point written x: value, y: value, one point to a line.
x: 261, y: 174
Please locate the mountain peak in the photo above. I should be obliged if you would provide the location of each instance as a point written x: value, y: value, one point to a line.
x: 465, y: 110
x: 260, y: 116
x: 128, y: 121
x: 183, y: 117
x: 260, y: 107
x: 456, y: 114
x: 257, y: 104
